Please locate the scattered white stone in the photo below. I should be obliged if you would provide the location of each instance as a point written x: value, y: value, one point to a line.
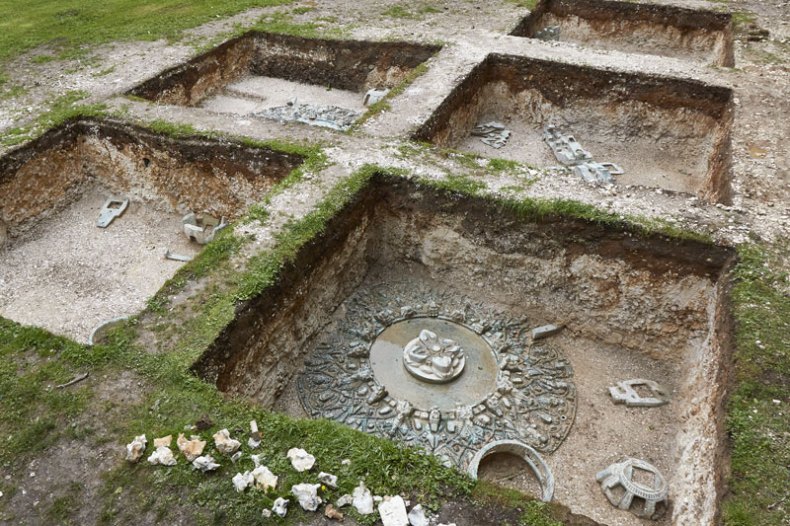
x: 164, y: 441
x: 448, y: 524
x: 205, y: 463
x: 392, y: 511
x: 377, y: 499
x: 191, y: 449
x: 264, y: 479
x: 136, y: 448
x: 417, y: 516
x: 345, y: 500
x: 256, y: 459
x: 362, y: 499
x: 280, y: 506
x: 163, y: 455
x: 224, y: 443
x: 307, y: 495
x: 236, y: 456
x: 242, y: 481
x: 328, y: 479
x: 345, y: 462
x: 301, y: 460
x: 266, y: 513
x: 255, y: 435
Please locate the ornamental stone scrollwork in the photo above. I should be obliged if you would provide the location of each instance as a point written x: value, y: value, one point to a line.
x: 433, y: 359
x: 440, y: 372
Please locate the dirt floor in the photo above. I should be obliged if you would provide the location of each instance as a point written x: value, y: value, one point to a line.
x: 50, y: 275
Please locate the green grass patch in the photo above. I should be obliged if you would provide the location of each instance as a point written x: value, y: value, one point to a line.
x: 66, y: 25
x: 527, y: 4
x: 758, y: 426
x: 283, y: 22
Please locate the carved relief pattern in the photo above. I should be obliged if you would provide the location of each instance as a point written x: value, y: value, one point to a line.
x: 534, y: 399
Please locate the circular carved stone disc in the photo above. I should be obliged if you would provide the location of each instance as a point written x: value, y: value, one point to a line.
x: 477, y: 382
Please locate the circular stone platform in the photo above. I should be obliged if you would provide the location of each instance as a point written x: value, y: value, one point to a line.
x: 508, y: 388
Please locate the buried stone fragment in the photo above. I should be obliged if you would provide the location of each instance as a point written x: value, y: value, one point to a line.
x: 205, y: 463
x: 162, y: 456
x: 492, y: 133
x: 344, y: 500
x: 300, y: 459
x: 201, y: 228
x: 544, y: 331
x: 113, y: 207
x: 135, y: 448
x: 307, y: 494
x: 224, y: 443
x: 621, y: 475
x: 191, y: 449
x: 393, y: 511
x: 280, y: 506
x: 164, y: 441
x: 625, y: 393
x: 374, y: 95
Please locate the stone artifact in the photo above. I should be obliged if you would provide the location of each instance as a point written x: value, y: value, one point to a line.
x: 328, y: 479
x: 492, y: 133
x: 417, y: 516
x: 162, y: 456
x: 362, y: 499
x: 544, y: 331
x: 548, y: 33
x: 434, y: 359
x: 570, y: 153
x: 497, y: 383
x: 333, y: 117
x: 111, y: 209
x: 200, y: 228
x: 374, y: 95
x: 622, y: 474
x: 625, y: 393
x: 533, y: 459
x: 264, y: 478
x: 242, y: 481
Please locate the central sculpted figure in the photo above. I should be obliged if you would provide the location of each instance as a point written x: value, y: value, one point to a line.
x: 435, y: 360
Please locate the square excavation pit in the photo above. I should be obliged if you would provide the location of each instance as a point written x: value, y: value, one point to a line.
x: 691, y: 34
x: 366, y: 325
x: 664, y: 132
x: 58, y: 270
x: 288, y: 78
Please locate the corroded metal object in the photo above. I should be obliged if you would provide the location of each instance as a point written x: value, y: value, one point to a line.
x: 510, y: 389
x: 625, y: 393
x: 624, y: 475
x: 433, y: 359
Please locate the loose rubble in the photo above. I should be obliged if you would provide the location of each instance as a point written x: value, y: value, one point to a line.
x: 417, y: 516
x: 224, y: 443
x: 300, y: 459
x: 264, y: 478
x: 328, y: 479
x: 192, y: 448
x: 162, y: 456
x: 242, y: 481
x: 205, y: 463
x: 362, y: 499
x: 136, y: 448
x: 280, y: 506
x: 331, y: 513
x: 392, y: 511
x: 307, y: 494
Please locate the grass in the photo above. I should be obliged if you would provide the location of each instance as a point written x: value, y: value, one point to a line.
x: 410, y: 12
x: 758, y: 427
x: 527, y: 4
x: 67, y: 25
x: 60, y: 110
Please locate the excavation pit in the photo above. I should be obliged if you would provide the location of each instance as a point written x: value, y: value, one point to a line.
x: 288, y: 78
x: 666, y: 133
x: 691, y: 34
x: 330, y: 337
x: 61, y: 271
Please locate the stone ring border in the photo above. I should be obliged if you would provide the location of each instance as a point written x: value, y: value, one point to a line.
x: 531, y: 457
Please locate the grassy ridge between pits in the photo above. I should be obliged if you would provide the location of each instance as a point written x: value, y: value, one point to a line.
x: 38, y: 417
x: 68, y: 24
